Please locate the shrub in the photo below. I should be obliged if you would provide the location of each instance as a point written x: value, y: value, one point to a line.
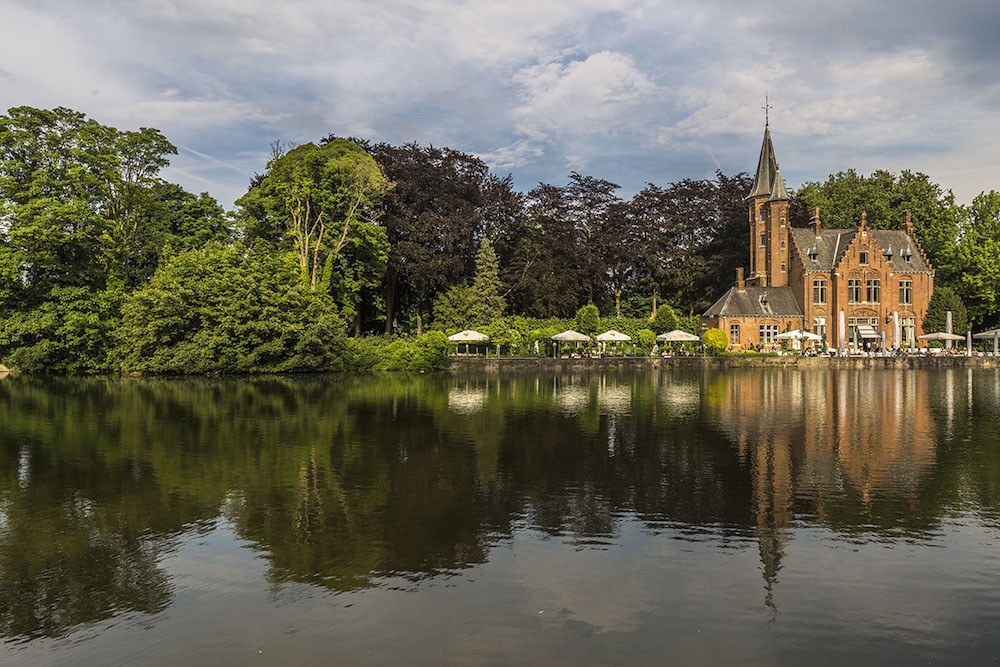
x: 715, y: 339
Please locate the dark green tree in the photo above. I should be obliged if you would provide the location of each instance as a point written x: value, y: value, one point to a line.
x: 487, y: 302
x: 588, y: 319
x: 665, y: 319
x: 943, y: 300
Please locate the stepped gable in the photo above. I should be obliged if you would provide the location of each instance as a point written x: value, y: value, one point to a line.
x: 899, y: 241
x: 776, y: 302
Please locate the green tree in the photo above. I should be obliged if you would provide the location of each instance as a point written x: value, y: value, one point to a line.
x: 665, y: 319
x: 226, y: 309
x: 588, y: 319
x: 487, y: 303
x: 715, y: 339
x: 943, y: 300
x: 451, y: 308
x: 316, y: 198
x: 977, y: 278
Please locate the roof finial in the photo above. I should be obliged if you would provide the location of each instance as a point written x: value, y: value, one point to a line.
x: 766, y: 107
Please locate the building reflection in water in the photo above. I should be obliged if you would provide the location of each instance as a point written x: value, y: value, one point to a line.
x: 808, y: 437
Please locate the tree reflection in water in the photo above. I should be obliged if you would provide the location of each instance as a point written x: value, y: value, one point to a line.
x: 342, y: 482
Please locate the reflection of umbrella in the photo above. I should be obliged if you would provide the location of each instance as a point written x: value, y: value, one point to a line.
x: 939, y: 335
x: 678, y: 336
x: 612, y: 335
x: 572, y: 337
x: 468, y: 336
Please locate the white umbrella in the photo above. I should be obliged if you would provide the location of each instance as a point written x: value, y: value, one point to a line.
x: 614, y: 336
x: 794, y: 334
x: 678, y: 336
x: 939, y: 335
x: 995, y: 335
x: 571, y: 337
x: 468, y: 336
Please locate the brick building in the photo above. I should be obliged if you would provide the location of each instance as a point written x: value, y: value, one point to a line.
x: 855, y: 287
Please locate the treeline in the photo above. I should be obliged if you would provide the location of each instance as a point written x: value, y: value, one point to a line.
x: 106, y: 267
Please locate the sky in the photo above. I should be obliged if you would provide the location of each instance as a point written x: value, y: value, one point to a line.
x: 633, y: 91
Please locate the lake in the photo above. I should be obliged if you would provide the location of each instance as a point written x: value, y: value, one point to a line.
x: 706, y: 516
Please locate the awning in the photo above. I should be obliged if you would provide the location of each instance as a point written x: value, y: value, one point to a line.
x: 867, y: 331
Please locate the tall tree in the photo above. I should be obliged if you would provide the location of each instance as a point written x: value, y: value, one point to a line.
x: 443, y: 204
x: 319, y: 198
x: 487, y: 303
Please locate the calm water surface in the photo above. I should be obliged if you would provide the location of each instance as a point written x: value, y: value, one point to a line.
x: 675, y: 516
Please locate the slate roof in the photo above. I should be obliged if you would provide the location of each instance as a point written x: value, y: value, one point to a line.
x: 767, y: 167
x: 831, y: 245
x: 778, y: 302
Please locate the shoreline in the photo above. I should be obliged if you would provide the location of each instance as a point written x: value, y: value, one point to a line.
x: 503, y: 364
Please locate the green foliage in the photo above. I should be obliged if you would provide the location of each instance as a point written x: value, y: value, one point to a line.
x: 224, y: 309
x: 388, y: 353
x: 665, y: 319
x: 487, y: 304
x: 451, y: 309
x: 943, y: 300
x: 715, y: 339
x: 646, y: 338
x: 314, y: 199
x: 588, y: 319
x: 71, y: 332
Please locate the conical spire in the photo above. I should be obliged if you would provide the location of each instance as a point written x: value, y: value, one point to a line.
x: 767, y: 167
x: 778, y: 191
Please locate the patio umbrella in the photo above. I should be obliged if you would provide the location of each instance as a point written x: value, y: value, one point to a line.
x: 939, y: 335
x: 468, y: 336
x: 994, y: 335
x: 613, y: 336
x: 678, y: 336
x: 570, y: 336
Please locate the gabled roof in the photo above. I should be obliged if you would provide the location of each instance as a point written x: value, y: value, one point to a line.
x: 831, y: 245
x: 899, y: 241
x: 756, y: 302
x: 767, y: 167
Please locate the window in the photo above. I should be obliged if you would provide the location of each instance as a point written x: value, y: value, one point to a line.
x: 819, y: 326
x: 782, y: 244
x: 768, y: 332
x: 734, y: 333
x: 905, y: 292
x: 852, y: 327
x: 763, y: 240
x: 819, y: 291
x: 908, y: 327
x: 872, y: 291
x: 863, y: 257
x: 782, y: 222
x: 782, y: 267
x: 763, y: 214
x: 853, y: 291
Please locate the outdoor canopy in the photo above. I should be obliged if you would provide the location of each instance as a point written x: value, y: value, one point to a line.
x: 613, y: 336
x: 468, y: 336
x: 571, y: 336
x: 678, y: 336
x: 940, y: 335
x: 798, y: 334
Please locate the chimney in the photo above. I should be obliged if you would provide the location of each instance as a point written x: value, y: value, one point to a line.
x: 740, y: 284
x: 814, y: 221
x: 908, y: 223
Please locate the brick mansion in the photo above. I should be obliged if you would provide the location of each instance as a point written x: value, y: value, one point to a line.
x: 855, y: 287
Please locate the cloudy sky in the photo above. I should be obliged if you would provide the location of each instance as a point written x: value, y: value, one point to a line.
x: 633, y: 91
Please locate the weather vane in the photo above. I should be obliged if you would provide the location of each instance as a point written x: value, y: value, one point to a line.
x: 766, y: 107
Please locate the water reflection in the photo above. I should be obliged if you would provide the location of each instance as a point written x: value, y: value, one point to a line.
x: 346, y: 483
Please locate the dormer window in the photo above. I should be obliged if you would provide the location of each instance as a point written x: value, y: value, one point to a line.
x: 813, y: 254
x: 908, y: 254
x: 863, y: 257
x: 888, y: 253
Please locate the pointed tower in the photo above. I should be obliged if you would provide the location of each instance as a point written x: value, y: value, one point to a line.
x: 768, y: 212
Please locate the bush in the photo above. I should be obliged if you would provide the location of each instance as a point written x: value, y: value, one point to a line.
x: 588, y: 319
x: 715, y: 339
x: 665, y: 320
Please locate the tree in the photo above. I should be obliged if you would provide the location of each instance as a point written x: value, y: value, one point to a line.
x: 224, y: 308
x: 487, y: 304
x: 665, y: 319
x: 715, y: 339
x: 443, y: 203
x: 943, y: 300
x: 977, y: 274
x: 452, y: 307
x: 588, y: 319
x: 318, y: 198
